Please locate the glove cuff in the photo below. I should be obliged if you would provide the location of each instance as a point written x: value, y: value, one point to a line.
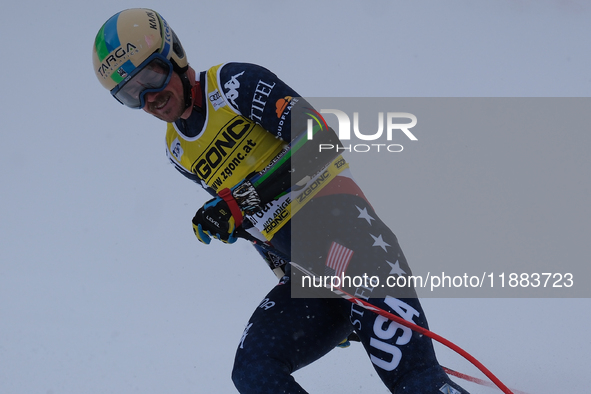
x: 247, y: 198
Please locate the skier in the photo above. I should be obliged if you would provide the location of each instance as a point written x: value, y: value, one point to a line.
x: 233, y: 129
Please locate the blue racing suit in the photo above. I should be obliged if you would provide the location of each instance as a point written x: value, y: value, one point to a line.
x: 243, y: 125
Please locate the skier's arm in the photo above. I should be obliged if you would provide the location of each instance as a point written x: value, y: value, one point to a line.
x: 191, y: 176
x: 298, y: 161
x: 260, y: 95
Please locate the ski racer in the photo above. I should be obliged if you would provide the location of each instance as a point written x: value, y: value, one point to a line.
x: 233, y: 130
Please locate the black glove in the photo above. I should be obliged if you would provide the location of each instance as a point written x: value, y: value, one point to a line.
x: 220, y: 217
x: 215, y: 220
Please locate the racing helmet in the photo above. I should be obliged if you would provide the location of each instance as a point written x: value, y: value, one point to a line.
x: 135, y: 52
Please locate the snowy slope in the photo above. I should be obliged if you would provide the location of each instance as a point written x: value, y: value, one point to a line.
x: 104, y: 288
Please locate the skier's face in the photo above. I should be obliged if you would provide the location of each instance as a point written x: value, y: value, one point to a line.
x: 167, y: 104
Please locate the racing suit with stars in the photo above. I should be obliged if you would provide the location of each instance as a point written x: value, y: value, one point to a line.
x: 243, y: 126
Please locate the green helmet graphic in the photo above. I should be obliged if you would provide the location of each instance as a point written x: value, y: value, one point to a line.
x: 131, y: 41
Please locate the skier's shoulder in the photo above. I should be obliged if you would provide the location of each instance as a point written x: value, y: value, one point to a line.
x: 244, y: 74
x: 239, y: 82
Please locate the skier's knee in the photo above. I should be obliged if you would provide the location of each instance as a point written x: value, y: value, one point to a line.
x: 260, y: 376
x: 245, y: 375
x: 239, y: 379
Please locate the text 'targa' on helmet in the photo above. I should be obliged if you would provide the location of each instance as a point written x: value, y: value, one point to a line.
x: 129, y: 42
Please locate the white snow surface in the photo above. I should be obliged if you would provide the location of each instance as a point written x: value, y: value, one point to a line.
x: 103, y: 286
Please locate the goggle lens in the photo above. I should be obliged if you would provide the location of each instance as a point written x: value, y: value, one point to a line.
x: 153, y: 77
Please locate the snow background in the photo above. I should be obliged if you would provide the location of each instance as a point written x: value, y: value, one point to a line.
x: 103, y: 286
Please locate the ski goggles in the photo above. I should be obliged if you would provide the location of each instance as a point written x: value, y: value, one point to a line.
x: 152, y: 75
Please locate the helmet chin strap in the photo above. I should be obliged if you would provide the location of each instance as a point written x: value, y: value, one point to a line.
x: 187, y: 89
x: 192, y: 94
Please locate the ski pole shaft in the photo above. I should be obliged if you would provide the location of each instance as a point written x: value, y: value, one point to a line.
x: 473, y: 379
x: 355, y: 300
x: 414, y: 327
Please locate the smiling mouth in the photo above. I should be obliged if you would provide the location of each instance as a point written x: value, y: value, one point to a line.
x: 162, y: 104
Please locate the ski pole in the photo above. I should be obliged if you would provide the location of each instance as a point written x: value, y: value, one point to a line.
x: 366, y: 305
x: 473, y: 379
x: 414, y: 327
